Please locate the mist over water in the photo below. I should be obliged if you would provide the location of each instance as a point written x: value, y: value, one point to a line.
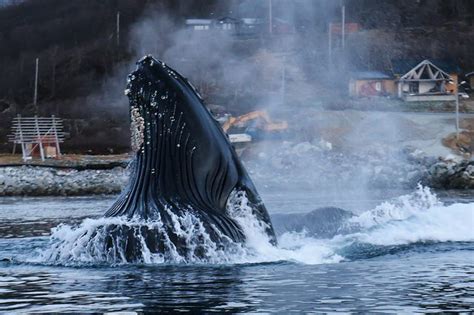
x: 289, y: 75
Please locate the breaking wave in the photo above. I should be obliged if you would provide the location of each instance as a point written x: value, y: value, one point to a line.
x: 405, y: 221
x: 418, y: 217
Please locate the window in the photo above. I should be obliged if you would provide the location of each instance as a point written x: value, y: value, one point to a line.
x: 201, y: 27
x: 414, y: 87
x: 378, y: 86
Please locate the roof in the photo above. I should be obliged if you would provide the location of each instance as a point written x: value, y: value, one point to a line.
x: 198, y: 21
x: 251, y: 21
x: 403, y: 66
x: 426, y: 70
x: 227, y: 19
x: 281, y: 21
x: 369, y: 75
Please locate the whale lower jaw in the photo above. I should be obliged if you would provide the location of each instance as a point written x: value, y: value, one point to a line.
x: 172, y: 236
x: 119, y: 240
x: 152, y: 242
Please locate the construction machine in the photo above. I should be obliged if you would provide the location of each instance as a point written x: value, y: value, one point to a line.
x: 256, y: 121
x: 250, y: 127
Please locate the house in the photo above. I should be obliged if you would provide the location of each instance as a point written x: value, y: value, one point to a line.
x: 199, y: 24
x: 426, y: 80
x: 336, y: 28
x: 250, y: 26
x: 371, y: 83
x: 241, y: 27
x: 282, y: 27
x: 409, y: 80
x: 227, y: 24
x: 470, y: 79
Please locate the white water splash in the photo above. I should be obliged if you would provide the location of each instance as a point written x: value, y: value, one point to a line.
x: 418, y: 217
x: 414, y: 218
x: 91, y: 242
x: 399, y: 209
x: 292, y: 246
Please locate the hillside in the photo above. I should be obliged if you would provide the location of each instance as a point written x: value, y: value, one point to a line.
x: 82, y: 64
x: 77, y: 47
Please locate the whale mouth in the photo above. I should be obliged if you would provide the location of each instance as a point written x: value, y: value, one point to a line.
x: 137, y: 129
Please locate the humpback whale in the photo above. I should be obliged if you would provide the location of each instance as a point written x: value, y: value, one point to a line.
x: 183, y: 164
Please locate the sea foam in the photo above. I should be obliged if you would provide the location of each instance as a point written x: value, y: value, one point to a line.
x: 413, y: 218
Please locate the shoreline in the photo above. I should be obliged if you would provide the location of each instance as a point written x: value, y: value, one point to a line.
x: 98, y: 176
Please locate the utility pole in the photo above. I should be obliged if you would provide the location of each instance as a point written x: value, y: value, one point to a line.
x: 35, y: 97
x: 283, y: 81
x: 457, y: 113
x: 343, y: 31
x: 118, y: 28
x: 270, y: 17
x: 330, y: 46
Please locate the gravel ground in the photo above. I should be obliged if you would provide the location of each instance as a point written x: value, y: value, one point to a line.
x: 299, y: 165
x: 314, y: 166
x: 41, y: 181
x: 335, y: 149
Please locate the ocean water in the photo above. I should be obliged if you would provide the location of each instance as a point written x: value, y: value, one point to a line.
x: 402, y: 251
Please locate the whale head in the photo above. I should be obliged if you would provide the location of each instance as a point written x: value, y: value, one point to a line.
x: 183, y: 159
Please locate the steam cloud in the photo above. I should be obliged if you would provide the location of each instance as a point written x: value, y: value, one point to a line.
x: 289, y: 75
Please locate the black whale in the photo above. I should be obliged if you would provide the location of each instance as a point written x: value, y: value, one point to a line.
x: 184, y: 163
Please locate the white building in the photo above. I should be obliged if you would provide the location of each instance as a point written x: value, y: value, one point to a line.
x: 199, y: 24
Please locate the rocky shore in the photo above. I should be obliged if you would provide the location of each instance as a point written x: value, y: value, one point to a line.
x: 43, y: 181
x: 452, y: 175
x: 302, y: 165
x: 316, y: 166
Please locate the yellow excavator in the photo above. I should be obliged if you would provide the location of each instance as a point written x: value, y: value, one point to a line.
x: 263, y: 122
x: 252, y: 126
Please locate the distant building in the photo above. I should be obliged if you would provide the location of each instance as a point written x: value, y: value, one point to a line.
x: 245, y: 27
x: 227, y: 24
x: 250, y: 26
x: 282, y: 27
x: 470, y: 79
x: 426, y: 80
x: 371, y: 83
x: 409, y: 80
x: 199, y: 24
x: 336, y: 28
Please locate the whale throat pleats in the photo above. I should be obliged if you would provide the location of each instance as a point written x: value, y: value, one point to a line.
x: 183, y: 161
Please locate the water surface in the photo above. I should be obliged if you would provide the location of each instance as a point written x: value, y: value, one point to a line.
x: 407, y: 259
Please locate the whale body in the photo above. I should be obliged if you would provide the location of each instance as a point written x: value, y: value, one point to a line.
x: 183, y: 164
x: 320, y: 223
